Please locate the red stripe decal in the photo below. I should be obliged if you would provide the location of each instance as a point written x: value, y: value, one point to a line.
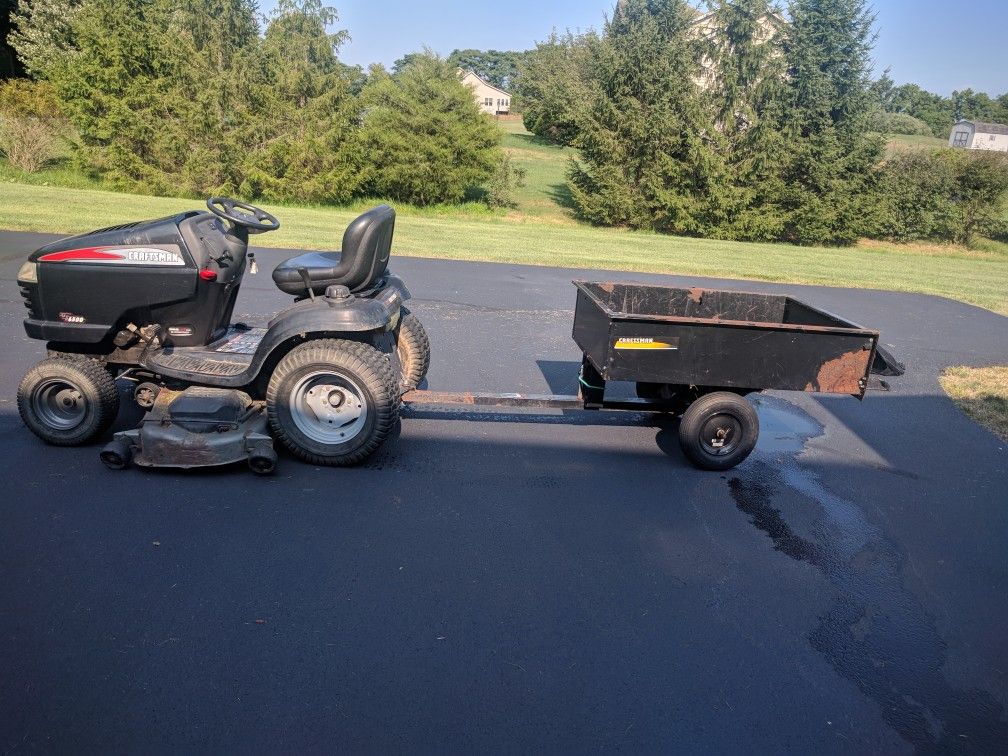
x: 86, y: 253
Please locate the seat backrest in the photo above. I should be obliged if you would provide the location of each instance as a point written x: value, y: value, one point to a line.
x: 367, y: 244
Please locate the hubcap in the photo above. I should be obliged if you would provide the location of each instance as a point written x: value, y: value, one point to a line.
x: 328, y: 408
x: 721, y: 435
x: 59, y: 404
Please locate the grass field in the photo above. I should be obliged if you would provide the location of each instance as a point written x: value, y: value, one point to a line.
x: 898, y: 142
x: 540, y: 230
x: 977, y: 276
x: 982, y: 393
x: 544, y: 196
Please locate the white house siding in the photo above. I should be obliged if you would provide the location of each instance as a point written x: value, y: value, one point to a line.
x: 489, y: 98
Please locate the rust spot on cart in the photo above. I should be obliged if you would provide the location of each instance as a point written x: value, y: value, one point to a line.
x: 843, y: 374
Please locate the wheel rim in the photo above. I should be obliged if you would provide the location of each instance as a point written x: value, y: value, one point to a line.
x: 721, y: 435
x: 59, y: 404
x: 328, y: 408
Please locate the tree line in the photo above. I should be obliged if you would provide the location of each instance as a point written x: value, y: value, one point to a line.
x: 750, y: 126
x: 189, y: 97
x: 762, y: 126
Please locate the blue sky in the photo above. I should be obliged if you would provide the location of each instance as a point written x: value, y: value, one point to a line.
x: 940, y: 44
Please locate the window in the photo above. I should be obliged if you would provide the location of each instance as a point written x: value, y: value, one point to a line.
x: 992, y: 137
x: 488, y: 101
x: 961, y: 139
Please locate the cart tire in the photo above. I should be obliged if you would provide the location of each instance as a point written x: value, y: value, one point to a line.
x: 332, y: 402
x: 718, y: 418
x: 413, y: 349
x: 68, y: 402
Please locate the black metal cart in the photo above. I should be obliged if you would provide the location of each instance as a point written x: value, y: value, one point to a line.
x: 697, y: 352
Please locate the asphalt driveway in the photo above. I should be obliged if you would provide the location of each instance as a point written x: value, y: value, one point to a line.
x: 547, y: 582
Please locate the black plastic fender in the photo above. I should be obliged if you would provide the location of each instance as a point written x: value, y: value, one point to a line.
x: 364, y: 318
x: 324, y: 316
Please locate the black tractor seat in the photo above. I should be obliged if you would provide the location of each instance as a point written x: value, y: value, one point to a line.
x: 367, y: 244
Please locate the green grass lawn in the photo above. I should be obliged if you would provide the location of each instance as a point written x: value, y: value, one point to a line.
x: 976, y: 276
x: 898, y: 142
x: 544, y: 196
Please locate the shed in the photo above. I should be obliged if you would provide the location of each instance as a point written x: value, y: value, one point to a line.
x: 977, y: 135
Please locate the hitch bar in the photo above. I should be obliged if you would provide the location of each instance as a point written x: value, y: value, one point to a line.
x: 529, y: 401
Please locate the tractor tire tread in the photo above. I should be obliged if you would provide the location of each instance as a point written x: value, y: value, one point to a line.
x: 94, y: 380
x: 413, y: 346
x: 372, y: 367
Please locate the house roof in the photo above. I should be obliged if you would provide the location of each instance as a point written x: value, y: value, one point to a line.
x: 487, y: 83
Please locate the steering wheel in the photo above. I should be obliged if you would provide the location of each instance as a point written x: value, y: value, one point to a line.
x: 255, y: 219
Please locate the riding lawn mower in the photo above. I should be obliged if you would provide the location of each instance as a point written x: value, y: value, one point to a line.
x: 151, y: 303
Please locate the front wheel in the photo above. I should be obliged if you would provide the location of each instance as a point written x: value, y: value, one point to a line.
x: 68, y: 401
x: 718, y: 430
x: 332, y: 402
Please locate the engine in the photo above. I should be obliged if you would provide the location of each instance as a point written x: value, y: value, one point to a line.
x: 181, y: 273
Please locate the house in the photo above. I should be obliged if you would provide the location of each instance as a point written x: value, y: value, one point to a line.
x: 976, y: 135
x: 491, y: 99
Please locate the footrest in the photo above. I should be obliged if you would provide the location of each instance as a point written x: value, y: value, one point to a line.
x: 204, y: 362
x: 239, y: 341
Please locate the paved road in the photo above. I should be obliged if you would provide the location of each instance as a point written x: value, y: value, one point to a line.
x: 514, y: 583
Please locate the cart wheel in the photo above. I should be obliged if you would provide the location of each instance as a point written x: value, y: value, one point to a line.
x: 718, y: 430
x: 332, y: 402
x: 413, y: 348
x: 68, y: 402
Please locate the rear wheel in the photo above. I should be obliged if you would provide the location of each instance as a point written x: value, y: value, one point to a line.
x: 332, y: 402
x: 68, y: 402
x: 718, y: 430
x: 413, y: 349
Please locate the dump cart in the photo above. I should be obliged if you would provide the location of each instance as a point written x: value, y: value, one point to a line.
x: 697, y: 353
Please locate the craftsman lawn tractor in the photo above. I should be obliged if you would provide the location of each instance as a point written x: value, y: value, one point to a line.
x: 151, y: 303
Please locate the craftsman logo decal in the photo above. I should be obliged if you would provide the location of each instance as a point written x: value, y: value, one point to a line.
x: 643, y: 342
x: 167, y: 254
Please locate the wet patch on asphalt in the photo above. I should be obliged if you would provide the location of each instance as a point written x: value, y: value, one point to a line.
x: 877, y: 634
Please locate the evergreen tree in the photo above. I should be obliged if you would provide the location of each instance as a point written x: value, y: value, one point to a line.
x: 303, y: 132
x: 553, y: 85
x: 648, y: 147
x: 833, y: 150
x: 424, y: 138
x: 745, y: 95
x: 42, y: 32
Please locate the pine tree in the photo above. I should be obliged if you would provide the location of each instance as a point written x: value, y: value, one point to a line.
x: 553, y: 85
x: 424, y: 138
x: 832, y: 150
x: 745, y: 94
x: 42, y: 32
x: 648, y: 147
x: 302, y: 134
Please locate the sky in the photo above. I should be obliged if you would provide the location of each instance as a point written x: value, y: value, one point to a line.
x: 942, y: 45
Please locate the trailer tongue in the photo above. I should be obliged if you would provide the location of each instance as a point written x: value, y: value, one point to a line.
x: 697, y: 352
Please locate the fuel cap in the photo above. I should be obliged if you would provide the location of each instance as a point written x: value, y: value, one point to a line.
x: 337, y: 292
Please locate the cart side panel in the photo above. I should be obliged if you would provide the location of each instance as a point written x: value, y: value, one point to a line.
x: 591, y: 330
x: 741, y: 357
